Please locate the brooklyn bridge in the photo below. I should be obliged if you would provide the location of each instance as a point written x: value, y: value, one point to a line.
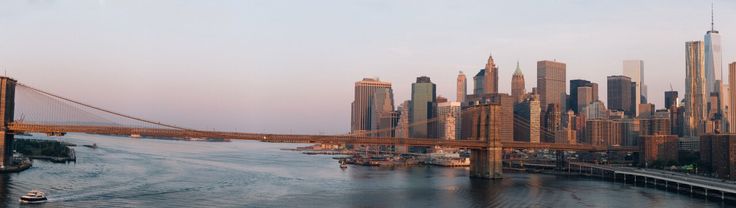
x: 25, y: 109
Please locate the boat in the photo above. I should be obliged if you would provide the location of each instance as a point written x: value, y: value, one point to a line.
x: 33, y: 197
x: 343, y: 165
x: 93, y: 146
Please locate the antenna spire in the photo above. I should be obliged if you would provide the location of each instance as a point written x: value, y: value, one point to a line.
x: 712, y: 27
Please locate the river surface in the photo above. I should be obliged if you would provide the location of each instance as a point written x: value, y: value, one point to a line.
x: 124, y: 172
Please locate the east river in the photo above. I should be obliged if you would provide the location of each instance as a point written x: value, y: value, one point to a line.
x: 125, y: 172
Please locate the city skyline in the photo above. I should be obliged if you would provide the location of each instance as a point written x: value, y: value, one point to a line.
x: 234, y: 86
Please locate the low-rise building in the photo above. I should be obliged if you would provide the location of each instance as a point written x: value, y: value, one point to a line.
x: 657, y: 148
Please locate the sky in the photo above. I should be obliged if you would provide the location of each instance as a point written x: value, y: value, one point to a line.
x: 290, y: 66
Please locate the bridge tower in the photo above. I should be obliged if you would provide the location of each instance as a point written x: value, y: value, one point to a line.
x: 7, y: 114
x: 486, y: 162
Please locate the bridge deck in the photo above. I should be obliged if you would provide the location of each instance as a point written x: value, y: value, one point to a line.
x: 295, y: 138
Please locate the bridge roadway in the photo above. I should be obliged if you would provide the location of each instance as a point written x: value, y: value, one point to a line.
x: 705, y: 183
x: 295, y: 138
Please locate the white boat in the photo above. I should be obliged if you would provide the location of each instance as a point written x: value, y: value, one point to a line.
x: 33, y: 197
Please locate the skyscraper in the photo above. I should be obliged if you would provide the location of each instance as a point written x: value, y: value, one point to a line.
x: 714, y: 71
x: 732, y: 98
x: 695, y: 89
x: 670, y: 99
x: 491, y: 78
x: 573, y: 100
x: 713, y: 63
x: 552, y: 123
x: 373, y: 99
x: 402, y: 127
x: 619, y: 94
x: 423, y: 102
x: 527, y: 126
x: 479, y: 82
x: 518, y: 90
x: 584, y: 97
x: 462, y: 87
x: 634, y: 69
x: 551, y: 78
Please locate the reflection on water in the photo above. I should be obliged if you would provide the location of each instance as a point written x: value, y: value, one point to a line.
x: 125, y: 172
x: 4, y: 190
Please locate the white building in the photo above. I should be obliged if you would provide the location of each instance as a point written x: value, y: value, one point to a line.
x: 634, y: 69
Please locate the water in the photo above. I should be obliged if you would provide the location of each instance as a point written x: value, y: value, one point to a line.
x: 125, y: 172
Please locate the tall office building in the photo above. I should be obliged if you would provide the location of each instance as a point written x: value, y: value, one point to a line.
x: 714, y: 70
x: 382, y: 108
x: 551, y: 83
x: 527, y: 124
x: 573, y: 99
x: 713, y: 63
x: 695, y: 89
x: 462, y: 87
x: 584, y: 97
x: 402, y: 127
x: 423, y: 102
x: 619, y: 94
x: 552, y: 123
x: 373, y: 99
x: 732, y: 97
x: 518, y: 90
x: 634, y: 69
x: 670, y: 99
x: 595, y: 90
x: 479, y: 82
x: 491, y: 78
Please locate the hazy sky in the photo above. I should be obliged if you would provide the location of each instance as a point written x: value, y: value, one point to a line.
x: 290, y: 66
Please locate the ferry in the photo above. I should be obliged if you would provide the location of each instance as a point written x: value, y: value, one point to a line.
x: 33, y: 197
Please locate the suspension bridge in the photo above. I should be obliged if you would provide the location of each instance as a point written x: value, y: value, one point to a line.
x: 25, y: 109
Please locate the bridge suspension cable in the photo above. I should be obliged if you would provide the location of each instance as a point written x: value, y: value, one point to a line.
x: 66, y: 109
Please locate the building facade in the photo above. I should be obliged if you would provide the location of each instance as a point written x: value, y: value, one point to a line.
x: 584, y: 97
x: 479, y: 82
x: 713, y: 62
x: 490, y: 85
x: 527, y: 119
x: 573, y: 99
x: 402, y: 127
x: 619, y: 94
x: 551, y: 83
x: 732, y: 98
x: 657, y: 148
x: 449, y: 115
x: 373, y: 99
x: 422, y: 108
x: 695, y: 89
x: 670, y: 99
x: 718, y: 155
x: 634, y: 69
x: 462, y: 87
x: 518, y: 88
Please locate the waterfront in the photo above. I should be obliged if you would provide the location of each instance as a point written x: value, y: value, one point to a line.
x: 125, y: 172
